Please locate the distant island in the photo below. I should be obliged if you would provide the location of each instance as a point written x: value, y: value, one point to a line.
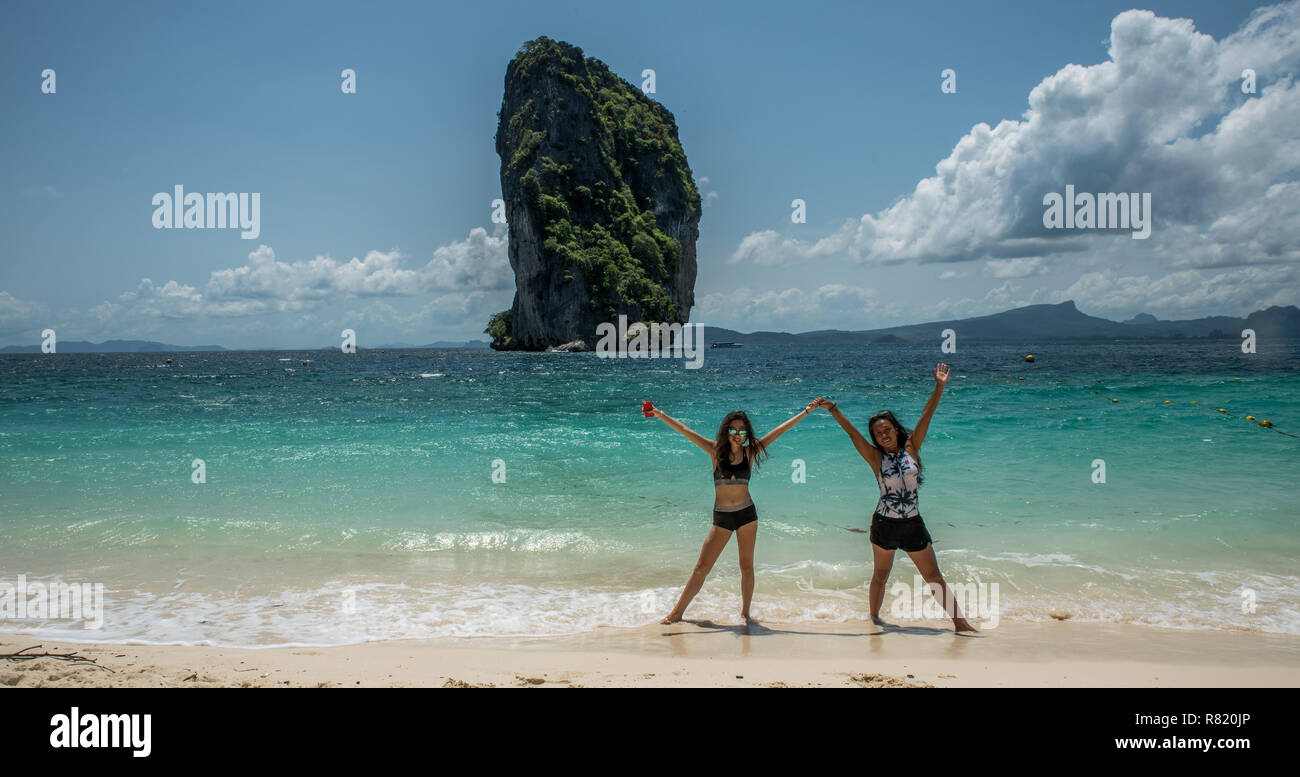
x: 1033, y: 323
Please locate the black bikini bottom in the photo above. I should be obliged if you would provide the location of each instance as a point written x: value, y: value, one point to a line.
x: 732, y: 517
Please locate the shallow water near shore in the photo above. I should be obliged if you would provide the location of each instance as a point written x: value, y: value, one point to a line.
x: 352, y: 498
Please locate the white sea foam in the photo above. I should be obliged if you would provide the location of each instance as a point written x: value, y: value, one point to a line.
x: 514, y: 540
x: 345, y: 611
x: 1049, y: 560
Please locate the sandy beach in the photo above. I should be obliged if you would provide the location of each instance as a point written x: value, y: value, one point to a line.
x: 702, y: 654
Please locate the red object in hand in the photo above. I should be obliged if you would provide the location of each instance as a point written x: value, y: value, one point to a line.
x: 648, y: 409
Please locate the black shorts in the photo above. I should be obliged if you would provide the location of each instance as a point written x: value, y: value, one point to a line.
x: 734, y: 519
x: 909, y: 534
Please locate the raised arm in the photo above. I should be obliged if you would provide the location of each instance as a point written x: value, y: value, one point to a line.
x: 865, y: 448
x: 771, y: 436
x: 918, y: 434
x: 705, y: 443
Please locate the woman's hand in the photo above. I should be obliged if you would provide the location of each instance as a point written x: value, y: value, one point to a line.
x: 941, y: 375
x: 823, y: 402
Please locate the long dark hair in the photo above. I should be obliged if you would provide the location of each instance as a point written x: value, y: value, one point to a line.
x: 722, y: 444
x: 901, y: 431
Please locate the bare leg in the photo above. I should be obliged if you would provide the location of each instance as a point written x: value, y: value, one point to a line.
x: 928, y: 566
x: 713, y: 545
x: 882, y: 562
x: 745, y: 537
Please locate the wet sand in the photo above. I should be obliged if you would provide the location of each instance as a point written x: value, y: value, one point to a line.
x: 702, y: 654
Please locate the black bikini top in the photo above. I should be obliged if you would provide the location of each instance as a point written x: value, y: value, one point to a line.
x: 725, y: 474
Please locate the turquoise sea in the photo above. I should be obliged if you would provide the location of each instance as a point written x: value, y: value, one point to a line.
x: 352, y: 498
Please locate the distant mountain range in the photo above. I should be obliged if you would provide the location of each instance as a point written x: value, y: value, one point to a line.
x: 149, y: 346
x: 439, y: 344
x: 1034, y: 323
x: 111, y: 346
x: 1063, y: 321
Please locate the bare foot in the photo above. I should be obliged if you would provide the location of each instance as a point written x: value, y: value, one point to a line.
x: 960, y: 624
x: 670, y: 618
x: 876, y: 619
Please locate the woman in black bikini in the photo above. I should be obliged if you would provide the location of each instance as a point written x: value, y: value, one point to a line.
x: 733, y: 453
x: 894, y: 455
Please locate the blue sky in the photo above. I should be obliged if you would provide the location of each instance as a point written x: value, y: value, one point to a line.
x: 375, y: 206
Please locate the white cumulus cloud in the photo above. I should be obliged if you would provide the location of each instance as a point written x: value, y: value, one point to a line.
x: 1165, y: 114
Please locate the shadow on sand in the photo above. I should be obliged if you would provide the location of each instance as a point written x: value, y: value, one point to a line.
x: 755, y: 629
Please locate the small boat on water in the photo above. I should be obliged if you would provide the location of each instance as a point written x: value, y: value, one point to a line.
x: 727, y: 345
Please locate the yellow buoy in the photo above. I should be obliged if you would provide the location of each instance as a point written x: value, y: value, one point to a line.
x: 1221, y: 410
x: 1250, y: 418
x: 1114, y: 400
x: 1166, y: 401
x: 1236, y: 378
x: 1029, y: 357
x: 1019, y: 378
x: 1193, y: 401
x: 1266, y: 424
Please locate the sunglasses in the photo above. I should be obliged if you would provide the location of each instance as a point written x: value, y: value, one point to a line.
x: 737, y: 432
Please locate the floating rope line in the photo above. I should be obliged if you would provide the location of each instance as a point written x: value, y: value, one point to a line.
x: 1263, y: 424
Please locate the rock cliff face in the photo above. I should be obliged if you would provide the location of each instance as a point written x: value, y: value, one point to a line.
x: 602, y: 206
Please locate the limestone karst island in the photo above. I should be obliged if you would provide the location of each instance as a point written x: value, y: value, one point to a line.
x: 601, y: 204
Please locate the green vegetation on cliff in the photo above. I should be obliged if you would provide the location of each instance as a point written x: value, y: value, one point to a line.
x: 499, y: 326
